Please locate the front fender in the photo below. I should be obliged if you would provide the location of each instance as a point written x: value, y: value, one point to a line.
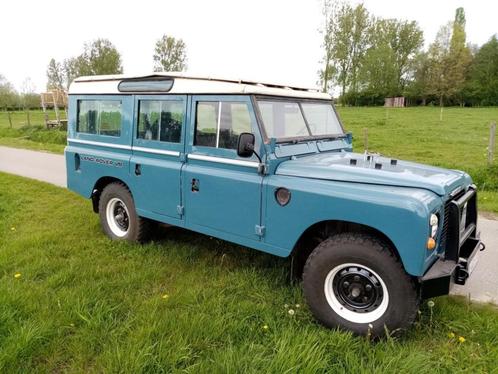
x: 400, y: 213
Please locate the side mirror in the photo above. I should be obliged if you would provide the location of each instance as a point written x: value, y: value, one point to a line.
x: 245, y: 146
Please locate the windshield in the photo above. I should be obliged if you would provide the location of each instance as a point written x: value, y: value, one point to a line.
x: 298, y: 119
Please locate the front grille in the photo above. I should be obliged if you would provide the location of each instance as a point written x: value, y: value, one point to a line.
x: 453, y: 236
x: 446, y: 219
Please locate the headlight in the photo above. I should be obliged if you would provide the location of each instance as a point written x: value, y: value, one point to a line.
x: 434, y: 223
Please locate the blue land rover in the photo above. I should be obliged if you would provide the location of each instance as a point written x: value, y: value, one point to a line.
x: 270, y: 167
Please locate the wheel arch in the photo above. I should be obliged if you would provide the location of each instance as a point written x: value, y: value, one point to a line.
x: 320, y: 231
x: 99, y: 187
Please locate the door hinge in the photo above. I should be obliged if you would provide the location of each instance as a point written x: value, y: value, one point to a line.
x: 260, y: 230
x: 179, y: 209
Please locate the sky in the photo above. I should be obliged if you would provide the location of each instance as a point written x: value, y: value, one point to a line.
x: 267, y: 40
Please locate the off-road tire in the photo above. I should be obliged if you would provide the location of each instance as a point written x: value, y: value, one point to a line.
x: 138, y: 227
x: 346, y: 248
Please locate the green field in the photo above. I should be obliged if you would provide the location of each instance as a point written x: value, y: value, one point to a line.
x: 459, y: 141
x: 34, y: 136
x: 73, y: 301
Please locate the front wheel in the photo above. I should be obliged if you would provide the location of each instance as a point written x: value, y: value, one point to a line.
x: 354, y: 282
x: 118, y: 216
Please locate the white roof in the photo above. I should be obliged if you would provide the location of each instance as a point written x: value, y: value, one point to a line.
x: 192, y: 84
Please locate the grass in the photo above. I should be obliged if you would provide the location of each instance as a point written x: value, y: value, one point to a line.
x: 458, y: 142
x: 186, y: 302
x: 31, y: 136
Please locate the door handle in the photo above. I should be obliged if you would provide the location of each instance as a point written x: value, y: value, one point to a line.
x: 195, y: 185
x: 138, y: 169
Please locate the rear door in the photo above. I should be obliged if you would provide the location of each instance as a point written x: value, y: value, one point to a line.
x: 157, y: 155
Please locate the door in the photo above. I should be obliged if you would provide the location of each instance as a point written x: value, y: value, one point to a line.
x: 157, y: 155
x: 222, y: 191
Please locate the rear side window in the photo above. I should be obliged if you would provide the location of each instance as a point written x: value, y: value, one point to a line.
x: 99, y: 117
x: 219, y: 123
x: 160, y: 120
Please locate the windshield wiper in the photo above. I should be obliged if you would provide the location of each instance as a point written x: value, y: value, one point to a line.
x: 308, y: 138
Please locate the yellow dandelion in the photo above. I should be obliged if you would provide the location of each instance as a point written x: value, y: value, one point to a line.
x: 71, y: 324
x: 291, y: 312
x: 17, y: 275
x: 461, y: 339
x: 451, y: 335
x: 298, y: 305
x: 12, y: 228
x: 165, y: 296
x: 265, y: 327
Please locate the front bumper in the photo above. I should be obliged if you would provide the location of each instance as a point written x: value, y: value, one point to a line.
x: 462, y: 247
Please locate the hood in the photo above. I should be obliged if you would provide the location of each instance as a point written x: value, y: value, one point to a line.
x: 374, y: 169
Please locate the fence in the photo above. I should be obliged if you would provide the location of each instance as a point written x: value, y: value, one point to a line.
x: 23, y: 118
x: 492, y: 143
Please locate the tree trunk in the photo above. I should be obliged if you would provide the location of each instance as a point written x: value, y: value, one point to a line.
x: 325, y: 77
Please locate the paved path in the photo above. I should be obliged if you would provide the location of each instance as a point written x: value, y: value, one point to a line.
x: 483, y: 284
x: 43, y: 166
x: 47, y: 167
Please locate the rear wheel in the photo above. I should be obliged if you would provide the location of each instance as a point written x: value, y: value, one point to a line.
x: 118, y: 216
x: 354, y: 282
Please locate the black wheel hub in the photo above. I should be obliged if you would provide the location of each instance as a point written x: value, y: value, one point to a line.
x: 121, y: 217
x: 357, y: 289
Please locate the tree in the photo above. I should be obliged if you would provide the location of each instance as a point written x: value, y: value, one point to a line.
x: 55, y: 75
x: 388, y: 60
x: 439, y: 76
x: 483, y: 82
x: 99, y: 57
x: 449, y: 61
x: 358, y: 45
x: 8, y: 95
x: 29, y: 99
x: 377, y: 76
x: 418, y: 78
x: 170, y: 54
x: 72, y: 68
x: 345, y: 36
x: 406, y: 43
x: 460, y: 57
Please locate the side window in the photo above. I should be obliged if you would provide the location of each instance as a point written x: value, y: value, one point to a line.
x: 219, y: 123
x: 99, y: 117
x: 160, y: 120
x: 206, y: 123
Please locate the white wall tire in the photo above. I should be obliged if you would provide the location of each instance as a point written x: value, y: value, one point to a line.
x: 337, y: 268
x: 118, y: 217
x: 346, y: 312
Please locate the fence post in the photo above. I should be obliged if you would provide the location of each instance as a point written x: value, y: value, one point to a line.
x: 492, y: 139
x: 10, y: 118
x: 28, y: 117
x: 365, y: 133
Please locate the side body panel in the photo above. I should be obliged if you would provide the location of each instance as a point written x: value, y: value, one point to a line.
x: 90, y: 157
x: 399, y: 213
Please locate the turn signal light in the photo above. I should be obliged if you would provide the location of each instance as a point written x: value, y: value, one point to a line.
x: 431, y: 244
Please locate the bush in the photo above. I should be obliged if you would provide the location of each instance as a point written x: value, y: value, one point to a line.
x: 486, y: 178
